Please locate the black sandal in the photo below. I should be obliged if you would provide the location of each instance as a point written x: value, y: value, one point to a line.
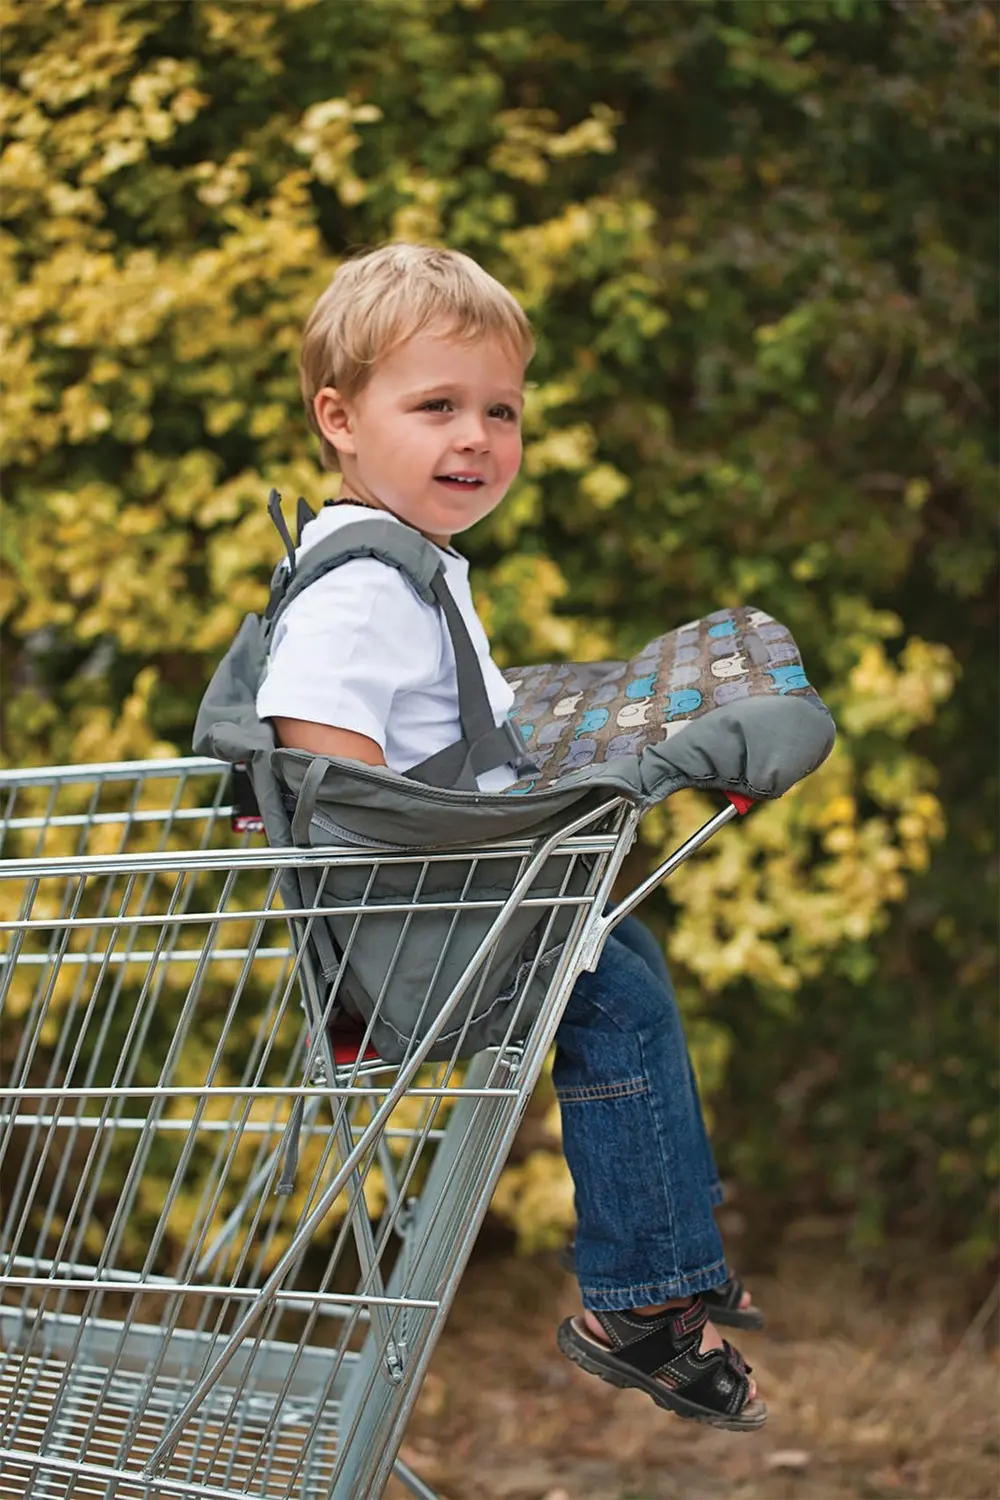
x: 661, y: 1356
x: 723, y: 1302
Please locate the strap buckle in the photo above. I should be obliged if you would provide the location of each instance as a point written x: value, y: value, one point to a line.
x: 521, y: 761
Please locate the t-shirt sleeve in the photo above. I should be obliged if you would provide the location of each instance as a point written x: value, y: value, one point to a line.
x: 346, y: 646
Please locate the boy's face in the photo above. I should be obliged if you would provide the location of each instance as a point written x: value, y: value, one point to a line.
x: 435, y: 435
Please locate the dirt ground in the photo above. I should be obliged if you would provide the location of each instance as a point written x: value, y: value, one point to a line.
x: 871, y: 1398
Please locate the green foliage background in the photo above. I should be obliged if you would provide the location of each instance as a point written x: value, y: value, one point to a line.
x: 757, y: 241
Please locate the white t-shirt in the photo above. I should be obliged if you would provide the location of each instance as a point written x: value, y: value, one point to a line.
x: 360, y: 650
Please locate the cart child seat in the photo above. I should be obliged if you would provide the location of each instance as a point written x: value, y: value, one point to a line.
x: 722, y: 702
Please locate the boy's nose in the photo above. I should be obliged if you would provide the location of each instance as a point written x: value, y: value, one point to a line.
x: 472, y: 438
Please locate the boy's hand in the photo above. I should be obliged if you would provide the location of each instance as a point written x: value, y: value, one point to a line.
x: 325, y: 739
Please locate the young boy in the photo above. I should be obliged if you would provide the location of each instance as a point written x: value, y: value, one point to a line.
x: 412, y: 368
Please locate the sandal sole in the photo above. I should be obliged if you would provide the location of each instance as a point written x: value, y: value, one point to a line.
x: 589, y: 1358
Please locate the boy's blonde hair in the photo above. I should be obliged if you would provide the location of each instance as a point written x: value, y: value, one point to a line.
x: 379, y: 300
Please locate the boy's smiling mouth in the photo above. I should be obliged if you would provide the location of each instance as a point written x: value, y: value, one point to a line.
x: 461, y: 481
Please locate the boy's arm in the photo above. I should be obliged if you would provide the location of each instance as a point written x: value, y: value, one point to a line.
x: 324, y: 739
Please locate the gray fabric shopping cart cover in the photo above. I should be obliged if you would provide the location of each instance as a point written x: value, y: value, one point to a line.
x: 721, y: 703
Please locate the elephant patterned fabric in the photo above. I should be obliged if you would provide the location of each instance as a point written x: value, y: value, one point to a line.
x: 572, y: 715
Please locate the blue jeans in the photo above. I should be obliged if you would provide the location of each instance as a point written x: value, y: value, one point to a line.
x: 633, y: 1134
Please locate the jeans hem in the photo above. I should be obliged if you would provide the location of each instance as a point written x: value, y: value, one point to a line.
x: 647, y: 1294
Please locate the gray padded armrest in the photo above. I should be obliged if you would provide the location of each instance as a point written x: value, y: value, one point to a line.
x: 757, y: 746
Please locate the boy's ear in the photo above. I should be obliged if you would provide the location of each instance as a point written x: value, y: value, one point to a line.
x: 333, y: 418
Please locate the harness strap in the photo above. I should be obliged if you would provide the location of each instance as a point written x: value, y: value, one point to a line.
x: 304, y: 513
x: 290, y: 1164
x: 484, y: 744
x: 305, y: 802
x: 474, y: 709
x: 281, y: 526
x: 458, y: 765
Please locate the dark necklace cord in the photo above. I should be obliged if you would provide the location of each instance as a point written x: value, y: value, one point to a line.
x: 349, y: 500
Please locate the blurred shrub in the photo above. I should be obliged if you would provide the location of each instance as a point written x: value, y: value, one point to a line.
x: 757, y: 242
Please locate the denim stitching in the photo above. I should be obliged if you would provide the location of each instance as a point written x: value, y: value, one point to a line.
x: 647, y: 1287
x: 668, y: 1202
x: 628, y: 1088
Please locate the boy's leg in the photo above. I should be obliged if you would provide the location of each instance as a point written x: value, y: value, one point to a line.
x: 637, y: 937
x: 646, y: 1239
x: 634, y: 1140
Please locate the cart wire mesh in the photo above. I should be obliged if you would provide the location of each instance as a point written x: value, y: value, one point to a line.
x: 229, y: 1239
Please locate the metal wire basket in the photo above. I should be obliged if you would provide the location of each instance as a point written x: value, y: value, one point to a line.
x: 229, y: 1235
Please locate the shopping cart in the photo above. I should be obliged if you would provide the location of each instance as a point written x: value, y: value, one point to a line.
x: 229, y: 1237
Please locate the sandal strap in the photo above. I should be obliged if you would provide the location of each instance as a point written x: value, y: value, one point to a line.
x: 669, y: 1346
x: 647, y: 1343
x: 728, y: 1295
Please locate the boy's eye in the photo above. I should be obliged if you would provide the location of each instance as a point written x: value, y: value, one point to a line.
x: 502, y: 410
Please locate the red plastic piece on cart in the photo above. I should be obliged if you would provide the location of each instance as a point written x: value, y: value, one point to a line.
x: 742, y: 804
x: 347, y: 1048
x: 247, y: 823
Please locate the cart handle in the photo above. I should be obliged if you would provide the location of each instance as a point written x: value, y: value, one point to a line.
x: 742, y: 804
x: 739, y: 806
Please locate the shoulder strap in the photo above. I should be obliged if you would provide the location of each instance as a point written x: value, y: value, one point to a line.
x: 484, y: 745
x: 397, y: 546
x: 281, y: 527
x: 304, y: 513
